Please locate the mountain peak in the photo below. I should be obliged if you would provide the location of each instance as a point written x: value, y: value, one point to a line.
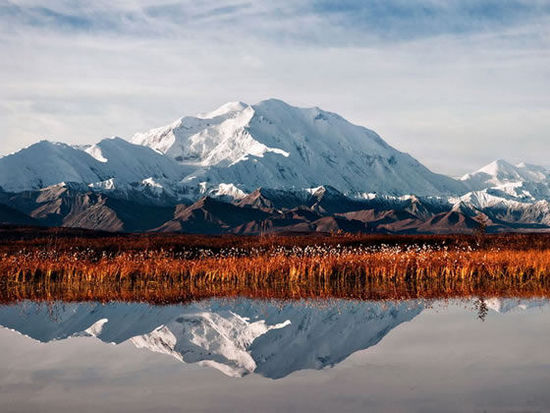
x: 502, y: 175
x: 273, y: 103
x: 274, y: 144
x: 269, y: 144
x: 498, y: 167
x: 46, y: 144
x: 229, y: 107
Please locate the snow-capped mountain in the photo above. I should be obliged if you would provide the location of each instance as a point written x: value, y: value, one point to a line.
x: 238, y: 148
x: 110, y: 162
x: 273, y: 144
x: 305, y: 169
x: 500, y: 173
x: 239, y: 337
x: 521, y: 182
x: 507, y: 194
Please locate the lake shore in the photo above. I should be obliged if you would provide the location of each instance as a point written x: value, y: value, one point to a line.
x: 70, y: 265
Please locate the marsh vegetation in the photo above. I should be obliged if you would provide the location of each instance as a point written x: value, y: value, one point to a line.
x: 164, y: 269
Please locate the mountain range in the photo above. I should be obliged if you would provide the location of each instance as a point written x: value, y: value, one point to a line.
x: 269, y: 167
x: 237, y: 337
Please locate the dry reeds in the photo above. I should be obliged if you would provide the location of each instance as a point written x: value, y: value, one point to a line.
x: 345, y: 267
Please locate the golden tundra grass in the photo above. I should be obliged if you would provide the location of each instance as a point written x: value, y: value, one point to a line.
x: 414, y: 268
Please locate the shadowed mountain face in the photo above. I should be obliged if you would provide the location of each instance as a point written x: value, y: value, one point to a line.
x: 209, y: 215
x: 9, y: 215
x: 77, y: 207
x: 237, y: 338
x: 263, y: 211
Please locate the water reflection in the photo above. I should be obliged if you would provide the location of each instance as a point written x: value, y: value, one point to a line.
x: 236, y: 337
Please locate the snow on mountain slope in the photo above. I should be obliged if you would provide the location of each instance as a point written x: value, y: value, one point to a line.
x: 234, y: 150
x: 238, y: 148
x: 273, y: 144
x: 516, y: 194
x: 236, y: 337
x: 46, y: 163
x: 504, y: 208
x: 521, y: 180
x: 220, y: 340
x: 487, y: 199
x: 216, y: 138
x: 133, y: 163
x: 276, y: 341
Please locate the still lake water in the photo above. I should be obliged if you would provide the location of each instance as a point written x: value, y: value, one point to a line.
x: 252, y: 355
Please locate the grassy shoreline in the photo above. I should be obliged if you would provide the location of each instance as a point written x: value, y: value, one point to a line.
x: 179, y: 267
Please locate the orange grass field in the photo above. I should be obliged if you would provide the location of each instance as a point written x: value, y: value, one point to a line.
x: 72, y: 266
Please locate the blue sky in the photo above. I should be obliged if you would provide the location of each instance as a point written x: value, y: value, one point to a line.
x: 455, y: 83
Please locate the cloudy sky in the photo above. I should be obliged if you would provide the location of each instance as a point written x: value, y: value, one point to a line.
x: 456, y: 83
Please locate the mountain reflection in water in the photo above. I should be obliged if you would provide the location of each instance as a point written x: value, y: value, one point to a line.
x: 237, y: 337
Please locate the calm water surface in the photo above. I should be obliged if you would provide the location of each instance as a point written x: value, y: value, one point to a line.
x: 251, y: 355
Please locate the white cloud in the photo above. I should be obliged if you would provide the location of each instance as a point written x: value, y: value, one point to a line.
x: 455, y: 100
